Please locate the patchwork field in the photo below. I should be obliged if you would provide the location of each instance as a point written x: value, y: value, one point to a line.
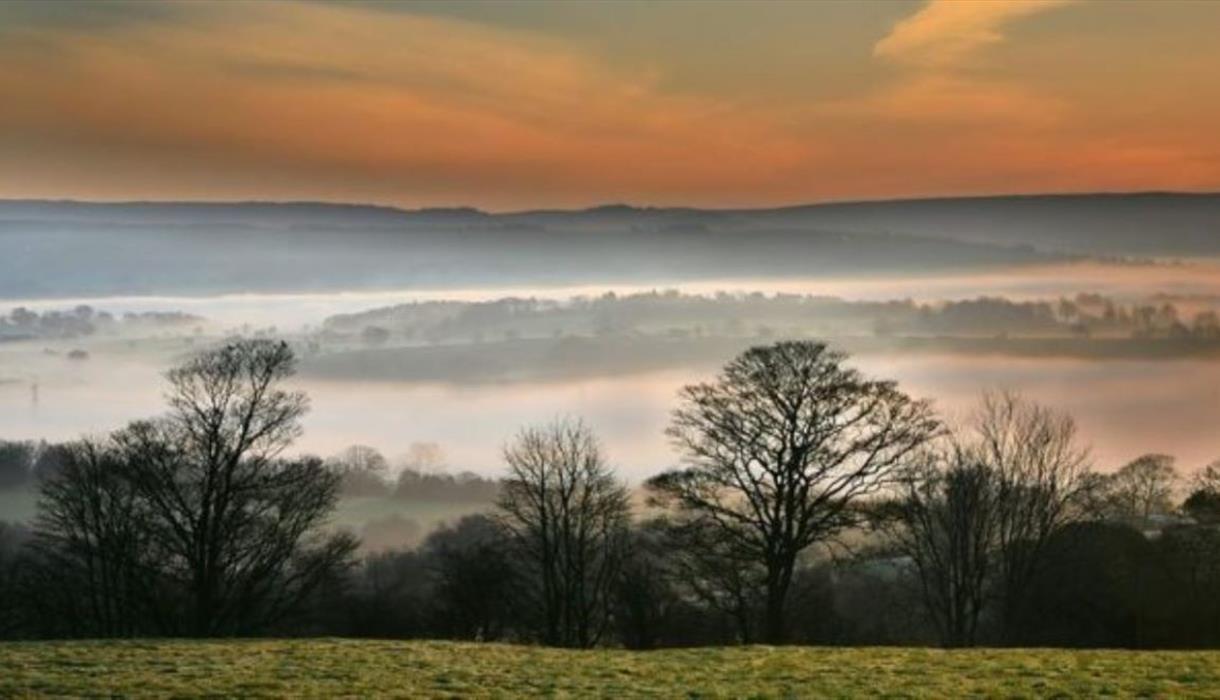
x: 346, y: 668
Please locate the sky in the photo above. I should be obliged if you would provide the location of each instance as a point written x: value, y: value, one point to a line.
x: 512, y: 105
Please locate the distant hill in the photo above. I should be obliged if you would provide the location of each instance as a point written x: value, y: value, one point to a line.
x: 1147, y: 224
x: 64, y: 248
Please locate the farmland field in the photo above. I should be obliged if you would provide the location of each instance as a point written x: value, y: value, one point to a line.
x: 349, y: 668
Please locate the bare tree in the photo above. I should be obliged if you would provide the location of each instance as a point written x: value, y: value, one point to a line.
x: 645, y: 597
x: 363, y: 471
x: 476, y: 585
x: 780, y: 448
x: 945, y: 520
x: 235, y: 523
x: 424, y: 458
x: 1207, y: 478
x: 93, y: 557
x: 48, y: 459
x: 1142, y: 488
x: 718, y: 573
x: 1203, y: 502
x: 1042, y: 484
x: 569, y: 516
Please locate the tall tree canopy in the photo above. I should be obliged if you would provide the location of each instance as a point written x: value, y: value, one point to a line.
x: 779, y: 449
x: 569, y: 516
x: 198, y: 510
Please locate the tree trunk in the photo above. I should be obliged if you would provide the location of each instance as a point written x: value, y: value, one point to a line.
x: 775, y: 628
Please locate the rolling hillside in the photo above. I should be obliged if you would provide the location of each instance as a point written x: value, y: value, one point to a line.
x: 64, y: 249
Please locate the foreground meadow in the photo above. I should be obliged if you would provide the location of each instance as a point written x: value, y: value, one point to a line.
x: 349, y: 668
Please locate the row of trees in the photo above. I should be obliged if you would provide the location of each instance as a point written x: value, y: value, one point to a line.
x: 789, y: 453
x: 813, y: 504
x: 735, y: 315
x: 975, y: 514
x: 189, y: 524
x: 987, y: 542
x: 23, y: 324
x: 366, y: 472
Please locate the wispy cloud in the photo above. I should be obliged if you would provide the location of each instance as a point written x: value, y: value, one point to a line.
x: 946, y: 33
x: 938, y: 52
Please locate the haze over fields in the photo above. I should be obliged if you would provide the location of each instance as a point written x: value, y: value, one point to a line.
x: 492, y: 320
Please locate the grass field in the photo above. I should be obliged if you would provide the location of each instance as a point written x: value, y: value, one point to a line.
x: 342, y: 668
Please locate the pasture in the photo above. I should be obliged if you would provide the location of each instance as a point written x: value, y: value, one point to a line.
x: 349, y: 668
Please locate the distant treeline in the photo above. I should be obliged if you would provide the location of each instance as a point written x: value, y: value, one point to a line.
x: 387, y: 508
x: 365, y: 472
x: 423, y: 477
x: 82, y: 321
x: 538, y: 340
x: 684, y: 315
x: 813, y: 504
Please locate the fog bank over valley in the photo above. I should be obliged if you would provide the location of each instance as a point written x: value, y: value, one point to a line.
x: 466, y: 375
x: 433, y: 336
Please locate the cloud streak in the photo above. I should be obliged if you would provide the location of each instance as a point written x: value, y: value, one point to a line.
x: 938, y: 51
x: 945, y: 34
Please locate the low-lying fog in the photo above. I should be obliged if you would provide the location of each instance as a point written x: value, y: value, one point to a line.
x: 292, y: 312
x: 1125, y: 407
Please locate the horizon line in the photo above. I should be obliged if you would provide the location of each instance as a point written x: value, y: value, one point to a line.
x: 471, y: 209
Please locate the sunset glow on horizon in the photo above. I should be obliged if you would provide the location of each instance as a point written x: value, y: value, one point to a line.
x: 521, y: 105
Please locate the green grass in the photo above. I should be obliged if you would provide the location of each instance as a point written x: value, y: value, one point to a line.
x: 348, y: 668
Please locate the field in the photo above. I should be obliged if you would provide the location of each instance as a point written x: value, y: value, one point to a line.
x: 343, y: 668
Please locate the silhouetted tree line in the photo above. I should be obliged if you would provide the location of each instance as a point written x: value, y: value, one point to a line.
x: 365, y: 472
x: 192, y: 523
x: 813, y: 504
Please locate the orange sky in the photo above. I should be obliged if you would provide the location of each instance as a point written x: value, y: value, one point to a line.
x: 515, y: 105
